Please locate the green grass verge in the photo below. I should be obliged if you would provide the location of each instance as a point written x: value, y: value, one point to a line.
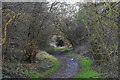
x: 56, y: 62
x: 87, y: 71
x: 48, y: 72
x: 59, y: 48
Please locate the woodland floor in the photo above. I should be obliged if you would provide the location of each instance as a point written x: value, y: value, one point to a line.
x: 56, y: 65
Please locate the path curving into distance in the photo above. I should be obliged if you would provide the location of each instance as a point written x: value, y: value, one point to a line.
x: 68, y: 68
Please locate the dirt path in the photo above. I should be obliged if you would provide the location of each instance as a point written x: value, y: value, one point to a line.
x: 68, y: 68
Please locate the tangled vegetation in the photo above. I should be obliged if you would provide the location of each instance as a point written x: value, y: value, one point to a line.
x: 45, y: 65
x: 87, y: 29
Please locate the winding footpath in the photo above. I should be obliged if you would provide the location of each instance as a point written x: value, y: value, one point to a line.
x: 68, y: 68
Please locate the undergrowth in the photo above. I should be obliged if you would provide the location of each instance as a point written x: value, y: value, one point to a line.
x: 44, y: 65
x: 52, y: 59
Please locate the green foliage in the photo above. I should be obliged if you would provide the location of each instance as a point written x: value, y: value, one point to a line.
x: 113, y: 47
x: 60, y: 48
x: 46, y: 73
x: 87, y: 71
x: 55, y: 61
